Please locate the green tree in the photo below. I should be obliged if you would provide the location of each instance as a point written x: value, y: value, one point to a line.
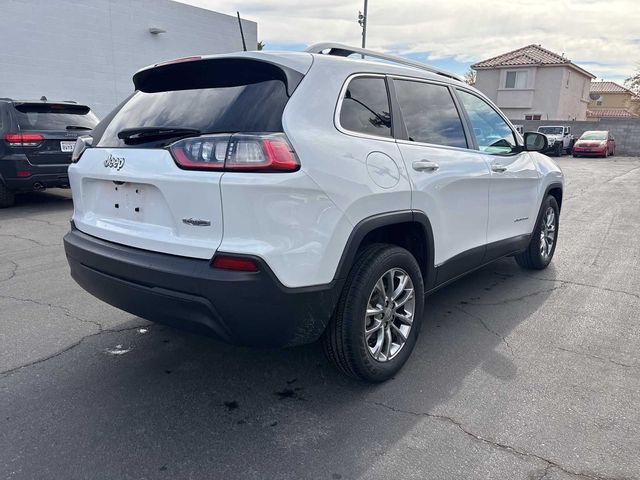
x: 260, y: 45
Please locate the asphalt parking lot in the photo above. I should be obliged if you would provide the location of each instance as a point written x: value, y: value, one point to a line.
x: 515, y: 375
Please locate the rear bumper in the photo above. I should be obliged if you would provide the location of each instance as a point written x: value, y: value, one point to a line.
x: 590, y: 151
x: 39, y: 177
x: 238, y: 307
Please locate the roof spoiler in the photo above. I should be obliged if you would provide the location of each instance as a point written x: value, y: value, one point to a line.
x: 197, y: 73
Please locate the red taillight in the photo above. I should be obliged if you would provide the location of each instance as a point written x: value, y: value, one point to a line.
x: 201, y: 153
x: 23, y: 139
x: 262, y: 154
x: 23, y: 173
x: 238, y: 152
x: 234, y: 263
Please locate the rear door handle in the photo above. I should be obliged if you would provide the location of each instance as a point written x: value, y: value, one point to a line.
x: 425, y: 166
x: 496, y: 167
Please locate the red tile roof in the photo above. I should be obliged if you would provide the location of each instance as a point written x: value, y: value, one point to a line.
x: 610, y: 113
x: 529, y: 55
x: 608, y: 87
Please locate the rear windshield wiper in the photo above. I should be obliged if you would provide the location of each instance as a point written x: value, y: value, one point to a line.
x: 144, y: 134
x: 78, y: 127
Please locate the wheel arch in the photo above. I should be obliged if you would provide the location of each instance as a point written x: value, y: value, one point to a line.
x: 555, y: 190
x: 409, y: 229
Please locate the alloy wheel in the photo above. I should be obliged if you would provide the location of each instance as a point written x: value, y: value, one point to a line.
x: 389, y: 315
x: 548, y: 233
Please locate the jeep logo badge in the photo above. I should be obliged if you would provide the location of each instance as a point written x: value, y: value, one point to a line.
x: 114, y: 162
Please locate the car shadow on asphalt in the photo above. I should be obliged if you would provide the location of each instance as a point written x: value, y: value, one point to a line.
x: 48, y: 201
x: 189, y: 404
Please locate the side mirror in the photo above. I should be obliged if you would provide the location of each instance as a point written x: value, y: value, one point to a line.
x: 535, y: 142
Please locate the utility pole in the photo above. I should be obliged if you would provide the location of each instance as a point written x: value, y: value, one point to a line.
x: 362, y: 20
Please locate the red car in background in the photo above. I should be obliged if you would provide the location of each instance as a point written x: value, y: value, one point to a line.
x: 595, y: 142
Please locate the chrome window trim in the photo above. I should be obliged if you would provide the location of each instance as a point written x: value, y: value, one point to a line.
x: 343, y: 90
x: 448, y: 86
x: 436, y: 145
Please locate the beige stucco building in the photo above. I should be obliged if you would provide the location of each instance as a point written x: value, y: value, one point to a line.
x: 533, y: 83
x: 610, y: 100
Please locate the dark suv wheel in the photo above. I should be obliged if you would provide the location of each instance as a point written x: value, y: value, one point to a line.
x: 379, y: 314
x: 544, y: 238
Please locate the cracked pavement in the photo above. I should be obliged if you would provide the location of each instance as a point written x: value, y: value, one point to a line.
x: 516, y: 375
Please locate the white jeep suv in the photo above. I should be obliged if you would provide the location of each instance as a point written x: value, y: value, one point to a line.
x: 273, y: 199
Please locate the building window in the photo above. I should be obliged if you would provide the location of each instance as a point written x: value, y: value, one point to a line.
x: 517, y: 79
x: 537, y: 116
x: 599, y: 102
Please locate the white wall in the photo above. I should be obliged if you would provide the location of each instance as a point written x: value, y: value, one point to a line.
x: 88, y: 50
x: 488, y: 82
x: 574, y: 96
x: 547, y: 92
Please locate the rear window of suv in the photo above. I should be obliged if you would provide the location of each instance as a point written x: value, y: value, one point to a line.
x: 254, y: 107
x: 48, y: 116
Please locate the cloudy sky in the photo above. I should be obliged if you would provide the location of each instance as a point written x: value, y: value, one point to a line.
x: 602, y: 36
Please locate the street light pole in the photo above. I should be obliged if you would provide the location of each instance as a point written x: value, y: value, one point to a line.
x: 362, y: 20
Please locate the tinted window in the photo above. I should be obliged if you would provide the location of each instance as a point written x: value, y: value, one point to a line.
x: 254, y: 107
x: 492, y: 133
x: 365, y: 107
x: 430, y: 114
x: 47, y: 116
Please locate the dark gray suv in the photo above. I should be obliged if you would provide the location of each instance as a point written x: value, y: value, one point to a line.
x: 37, y: 138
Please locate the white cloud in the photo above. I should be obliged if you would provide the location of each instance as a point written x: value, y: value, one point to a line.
x: 603, y: 35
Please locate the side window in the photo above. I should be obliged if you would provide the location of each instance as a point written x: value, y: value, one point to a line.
x: 365, y: 107
x: 492, y: 133
x: 429, y: 113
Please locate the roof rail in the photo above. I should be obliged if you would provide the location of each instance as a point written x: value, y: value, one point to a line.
x: 342, y: 50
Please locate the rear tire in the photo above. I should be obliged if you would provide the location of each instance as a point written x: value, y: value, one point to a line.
x: 373, y: 332
x: 7, y: 197
x: 544, y: 239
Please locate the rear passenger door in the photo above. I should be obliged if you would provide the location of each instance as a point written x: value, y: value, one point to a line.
x: 513, y: 205
x: 450, y: 183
